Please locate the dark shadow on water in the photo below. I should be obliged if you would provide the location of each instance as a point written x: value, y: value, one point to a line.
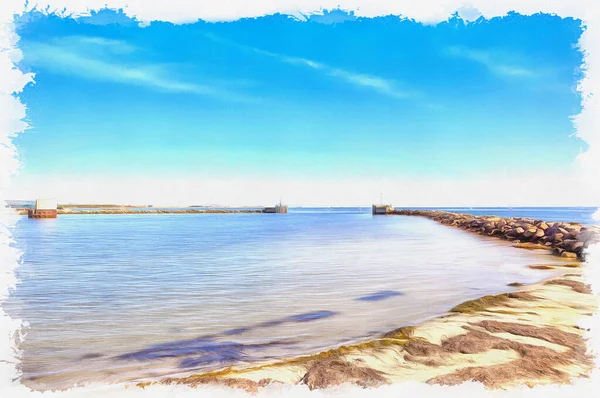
x: 310, y: 316
x: 206, y: 350
x: 228, y: 353
x: 171, y: 349
x: 202, y: 352
x: 205, y: 361
x: 233, y: 332
x: 90, y: 356
x: 382, y: 295
x: 306, y: 317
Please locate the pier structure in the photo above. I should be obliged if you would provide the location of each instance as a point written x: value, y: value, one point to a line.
x: 279, y: 209
x: 44, y: 208
x: 382, y: 209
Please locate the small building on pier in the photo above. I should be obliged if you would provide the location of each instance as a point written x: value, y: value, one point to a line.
x: 43, y: 208
x: 382, y: 209
x: 280, y: 209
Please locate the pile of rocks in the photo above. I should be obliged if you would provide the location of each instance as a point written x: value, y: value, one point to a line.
x: 564, y: 239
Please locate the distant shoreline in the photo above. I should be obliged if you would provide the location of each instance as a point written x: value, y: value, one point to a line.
x: 149, y: 210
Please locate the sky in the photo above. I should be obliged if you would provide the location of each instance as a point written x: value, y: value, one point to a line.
x: 333, y: 110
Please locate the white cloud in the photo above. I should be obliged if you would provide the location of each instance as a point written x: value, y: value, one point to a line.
x: 381, y: 85
x: 494, y: 62
x: 90, y: 58
x: 102, y: 43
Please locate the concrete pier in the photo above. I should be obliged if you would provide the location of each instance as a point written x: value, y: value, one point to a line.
x: 44, y: 208
x: 382, y: 209
x: 279, y: 209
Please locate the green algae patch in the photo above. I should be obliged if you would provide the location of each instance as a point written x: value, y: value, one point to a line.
x: 144, y: 384
x: 404, y: 332
x: 541, y: 266
x: 480, y: 304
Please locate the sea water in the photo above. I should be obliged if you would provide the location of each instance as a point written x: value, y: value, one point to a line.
x: 125, y: 297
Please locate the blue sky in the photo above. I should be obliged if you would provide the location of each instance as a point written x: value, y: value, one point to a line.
x: 274, y: 97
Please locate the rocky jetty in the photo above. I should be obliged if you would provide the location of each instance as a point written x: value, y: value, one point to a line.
x: 564, y: 239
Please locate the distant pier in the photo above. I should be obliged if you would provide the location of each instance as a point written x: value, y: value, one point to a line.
x: 382, y: 209
x: 279, y: 209
x: 44, y: 208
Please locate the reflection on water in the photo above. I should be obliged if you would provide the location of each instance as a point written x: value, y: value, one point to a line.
x: 123, y: 297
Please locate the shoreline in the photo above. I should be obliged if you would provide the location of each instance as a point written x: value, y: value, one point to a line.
x: 525, y: 336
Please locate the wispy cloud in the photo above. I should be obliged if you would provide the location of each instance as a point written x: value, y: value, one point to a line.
x: 98, y: 43
x: 389, y: 87
x: 496, y: 62
x: 104, y: 59
x: 382, y: 86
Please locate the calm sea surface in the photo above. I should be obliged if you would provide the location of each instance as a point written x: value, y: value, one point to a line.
x: 128, y: 297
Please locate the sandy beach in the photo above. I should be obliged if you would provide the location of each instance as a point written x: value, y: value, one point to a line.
x: 530, y: 336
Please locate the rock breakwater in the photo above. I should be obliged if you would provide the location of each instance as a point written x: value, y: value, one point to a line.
x: 563, y: 238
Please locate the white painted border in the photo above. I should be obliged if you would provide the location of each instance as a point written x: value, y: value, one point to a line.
x: 181, y: 11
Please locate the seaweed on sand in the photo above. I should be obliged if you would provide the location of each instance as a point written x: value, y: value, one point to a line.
x: 484, y: 303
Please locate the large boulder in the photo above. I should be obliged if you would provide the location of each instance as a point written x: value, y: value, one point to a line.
x: 489, y: 226
x: 530, y: 231
x: 558, y: 237
x: 572, y: 245
x: 551, y: 230
x: 568, y: 254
